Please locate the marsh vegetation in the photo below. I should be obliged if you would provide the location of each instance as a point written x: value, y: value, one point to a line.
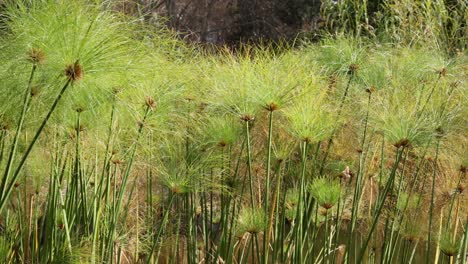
x: 120, y: 143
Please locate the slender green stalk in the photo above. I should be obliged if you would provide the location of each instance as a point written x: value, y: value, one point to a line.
x: 357, y: 188
x: 19, y: 126
x: 300, y: 204
x: 392, y: 241
x: 9, y: 188
x: 413, y: 253
x: 464, y: 247
x: 430, y: 94
x: 176, y: 247
x: 381, y: 203
x: 249, y: 162
x: 325, y: 240
x: 452, y: 202
x: 275, y: 210
x: 65, y: 221
x: 267, y: 231
x: 161, y: 229
x: 355, y: 207
x: 119, y: 195
x: 105, y: 178
x: 340, y: 109
x: 3, y: 135
x: 431, y: 208
x: 338, y: 218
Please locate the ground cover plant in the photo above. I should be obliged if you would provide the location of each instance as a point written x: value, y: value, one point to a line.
x: 121, y: 144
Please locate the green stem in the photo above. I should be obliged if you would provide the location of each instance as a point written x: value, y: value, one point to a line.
x: 7, y: 193
x: 300, y: 204
x: 452, y: 202
x: 267, y: 188
x: 119, y: 196
x: 355, y: 207
x: 275, y: 211
x: 430, y: 95
x: 249, y: 163
x: 357, y: 189
x: 431, y: 209
x: 397, y: 219
x: 325, y: 248
x: 161, y: 228
x: 340, y: 108
x: 465, y: 243
x: 26, y: 102
x: 381, y: 203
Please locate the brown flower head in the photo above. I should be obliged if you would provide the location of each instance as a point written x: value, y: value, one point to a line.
x: 150, y: 103
x: 117, y: 161
x: 140, y: 124
x: 116, y: 90
x: 353, y: 68
x: 202, y: 106
x: 222, y: 144
x: 74, y: 72
x: 271, y: 106
x: 247, y: 118
x: 439, y: 132
x: 80, y: 128
x: 462, y: 169
x: 79, y: 109
x: 346, y: 174
x: 36, y: 56
x: 370, y: 90
x: 442, y: 72
x: 332, y: 82
x: 402, y: 143
x: 454, y: 84
x: 35, y: 90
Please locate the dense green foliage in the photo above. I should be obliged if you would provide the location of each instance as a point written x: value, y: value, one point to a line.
x: 441, y: 24
x: 120, y: 144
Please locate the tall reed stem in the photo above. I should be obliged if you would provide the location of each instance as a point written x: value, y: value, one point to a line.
x: 340, y: 109
x: 9, y: 188
x: 119, y: 195
x: 249, y: 162
x: 381, y: 202
x: 19, y: 126
x: 161, y: 228
x: 267, y: 230
x: 431, y: 209
x: 300, y: 203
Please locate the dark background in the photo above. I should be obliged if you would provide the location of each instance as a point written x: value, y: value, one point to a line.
x: 232, y: 21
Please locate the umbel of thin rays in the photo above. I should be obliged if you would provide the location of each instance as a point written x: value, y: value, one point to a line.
x: 120, y: 152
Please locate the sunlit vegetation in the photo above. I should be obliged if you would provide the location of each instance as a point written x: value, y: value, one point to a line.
x: 121, y: 144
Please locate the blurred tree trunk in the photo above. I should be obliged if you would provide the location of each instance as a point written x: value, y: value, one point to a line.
x: 171, y: 14
x: 227, y: 21
x: 208, y: 7
x: 246, y: 10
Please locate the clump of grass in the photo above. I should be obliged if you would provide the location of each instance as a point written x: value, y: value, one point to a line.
x: 325, y: 192
x: 251, y: 220
x: 221, y: 131
x: 311, y: 119
x: 216, y: 153
x: 448, y: 245
x: 407, y: 202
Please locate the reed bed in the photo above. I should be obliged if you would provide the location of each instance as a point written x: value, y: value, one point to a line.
x: 121, y: 144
